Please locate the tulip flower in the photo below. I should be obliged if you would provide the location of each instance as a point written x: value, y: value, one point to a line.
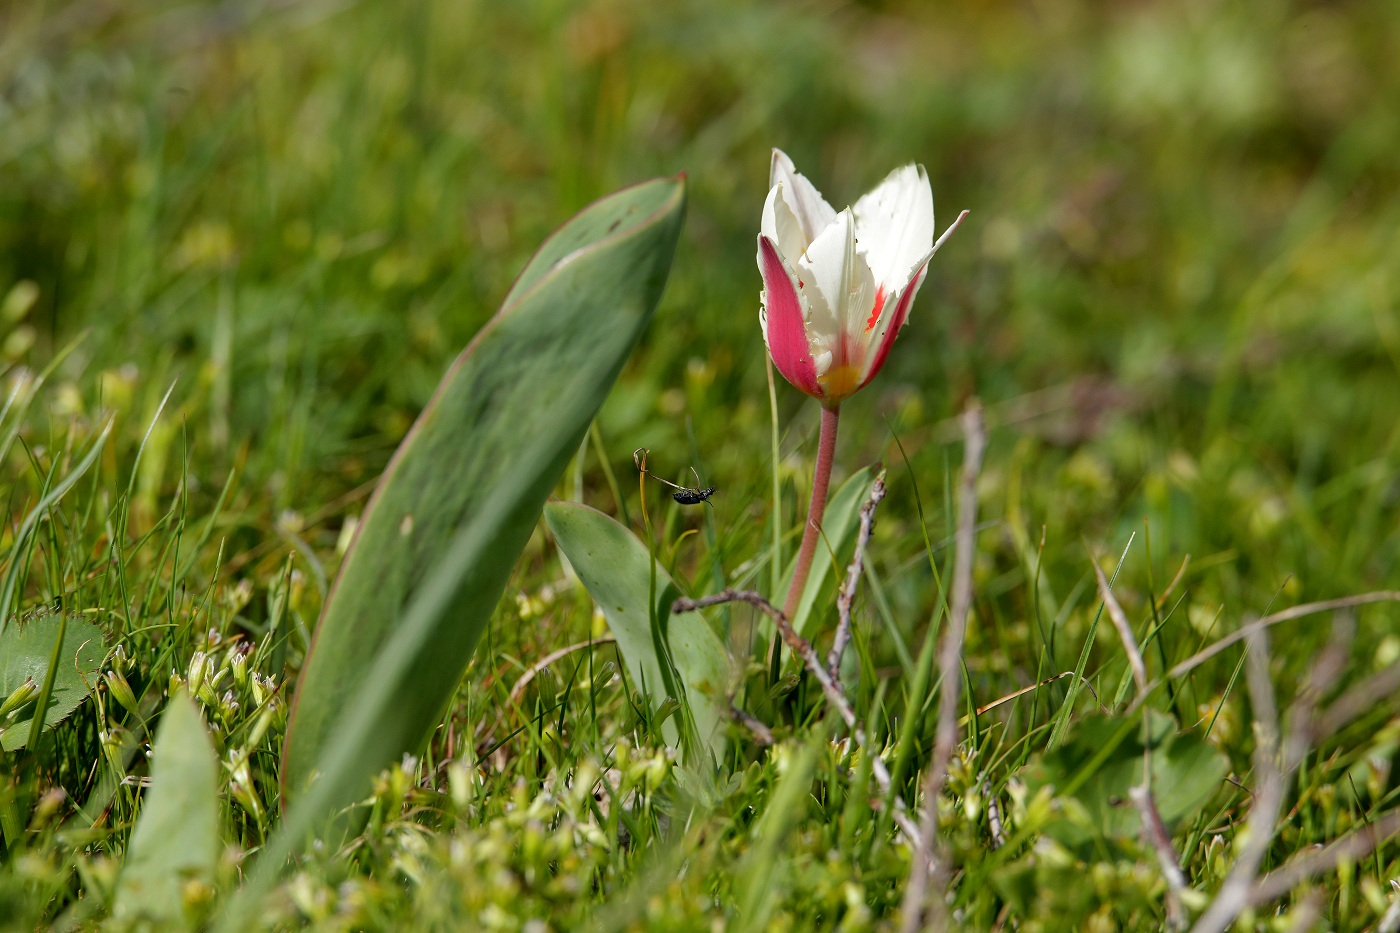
x: 837, y: 288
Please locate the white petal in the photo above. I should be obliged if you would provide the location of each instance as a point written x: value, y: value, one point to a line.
x: 894, y: 225
x: 808, y: 206
x: 780, y: 225
x: 890, y: 319
x: 839, y: 288
x: 818, y: 273
x: 894, y: 313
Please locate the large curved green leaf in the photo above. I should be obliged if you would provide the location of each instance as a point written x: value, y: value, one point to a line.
x: 26, y: 650
x: 615, y: 569
x: 458, y: 502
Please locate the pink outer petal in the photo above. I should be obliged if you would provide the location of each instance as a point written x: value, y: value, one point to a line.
x: 786, y: 329
x: 901, y: 314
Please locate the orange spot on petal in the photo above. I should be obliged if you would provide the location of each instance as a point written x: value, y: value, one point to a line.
x: 875, y: 311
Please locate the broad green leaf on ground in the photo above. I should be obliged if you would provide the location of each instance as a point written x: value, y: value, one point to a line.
x: 839, y: 525
x: 614, y: 567
x: 176, y: 839
x: 463, y: 492
x: 1104, y: 758
x: 26, y: 649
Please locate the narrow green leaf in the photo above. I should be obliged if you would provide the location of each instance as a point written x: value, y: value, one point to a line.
x: 26, y: 652
x: 462, y: 494
x: 613, y: 566
x: 1063, y: 717
x: 176, y: 839
x: 19, y: 406
x: 9, y: 592
x: 762, y: 872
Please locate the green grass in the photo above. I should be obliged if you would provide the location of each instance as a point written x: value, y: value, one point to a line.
x: 261, y: 234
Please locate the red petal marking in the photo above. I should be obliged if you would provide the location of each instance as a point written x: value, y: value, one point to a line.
x: 787, y: 331
x: 901, y: 312
x: 875, y: 311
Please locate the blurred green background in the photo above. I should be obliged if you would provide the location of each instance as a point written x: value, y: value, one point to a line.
x: 1176, y: 294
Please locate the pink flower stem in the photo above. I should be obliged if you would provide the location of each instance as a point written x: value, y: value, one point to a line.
x: 826, y: 451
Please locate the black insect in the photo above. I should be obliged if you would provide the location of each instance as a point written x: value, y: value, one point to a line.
x: 685, y: 495
x: 688, y: 496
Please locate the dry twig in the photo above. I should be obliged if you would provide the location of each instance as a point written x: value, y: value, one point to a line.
x: 803, y: 649
x: 1180, y: 575
x: 519, y: 689
x: 1083, y: 683
x: 1270, y: 783
x: 847, y: 596
x: 1259, y: 625
x: 927, y: 862
x: 1125, y: 630
x: 1357, y: 700
x: 1275, y: 761
x: 761, y: 733
x: 1154, y: 832
x: 1351, y: 847
x: 1287, y: 615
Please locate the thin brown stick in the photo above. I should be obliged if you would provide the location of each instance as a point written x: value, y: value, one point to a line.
x: 1270, y: 784
x: 1154, y: 833
x: 928, y: 864
x: 761, y: 733
x: 1287, y: 615
x: 1358, y: 700
x: 847, y: 597
x: 1322, y: 677
x: 542, y: 663
x: 1275, y: 761
x: 1259, y: 625
x: 803, y: 649
x: 1180, y: 574
x: 1083, y: 682
x: 1352, y: 847
x: 1125, y: 630
x: 1153, y: 830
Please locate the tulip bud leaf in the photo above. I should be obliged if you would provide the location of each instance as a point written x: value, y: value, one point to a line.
x: 613, y: 566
